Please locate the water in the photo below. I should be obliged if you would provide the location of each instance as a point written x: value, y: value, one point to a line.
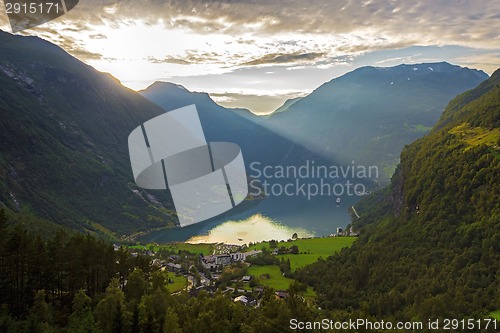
x: 275, y: 217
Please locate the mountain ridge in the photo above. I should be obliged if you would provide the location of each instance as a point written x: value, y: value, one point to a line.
x: 369, y: 114
x: 430, y: 241
x: 63, y: 141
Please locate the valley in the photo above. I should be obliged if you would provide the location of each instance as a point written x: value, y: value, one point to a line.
x: 412, y: 236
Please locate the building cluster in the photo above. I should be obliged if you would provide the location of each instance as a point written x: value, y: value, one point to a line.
x: 341, y: 232
x: 218, y: 261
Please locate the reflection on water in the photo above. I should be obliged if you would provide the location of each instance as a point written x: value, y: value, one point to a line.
x: 272, y: 218
x: 254, y: 229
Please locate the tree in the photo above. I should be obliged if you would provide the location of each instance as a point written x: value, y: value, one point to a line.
x: 7, y: 323
x: 16, y: 252
x: 159, y: 280
x: 294, y: 249
x: 82, y: 318
x: 110, y: 311
x: 152, y: 310
x: 146, y: 319
x: 136, y: 286
x: 3, y: 219
x: 171, y: 322
x: 40, y: 316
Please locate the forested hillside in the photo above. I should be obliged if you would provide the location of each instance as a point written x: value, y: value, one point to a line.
x: 63, y: 142
x: 78, y: 283
x: 430, y: 244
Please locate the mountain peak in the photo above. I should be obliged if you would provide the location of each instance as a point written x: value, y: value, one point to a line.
x: 163, y: 85
x: 420, y: 68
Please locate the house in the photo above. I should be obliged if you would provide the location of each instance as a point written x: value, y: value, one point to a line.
x: 246, y: 278
x: 213, y: 262
x: 204, y: 281
x: 242, y: 299
x: 222, y: 259
x: 281, y: 294
x: 242, y: 256
x: 174, y: 267
x: 208, y: 262
x: 159, y: 263
x: 246, y: 300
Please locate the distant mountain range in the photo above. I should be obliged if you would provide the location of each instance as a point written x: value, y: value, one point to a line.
x: 64, y: 130
x: 258, y: 142
x: 369, y: 114
x: 365, y: 116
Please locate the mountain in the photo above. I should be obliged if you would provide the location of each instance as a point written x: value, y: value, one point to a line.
x: 63, y: 141
x: 369, y: 114
x: 287, y: 104
x: 64, y: 130
x: 233, y: 125
x: 172, y: 96
x: 430, y: 242
x: 219, y: 123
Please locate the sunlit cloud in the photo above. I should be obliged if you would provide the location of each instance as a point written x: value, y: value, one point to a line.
x: 281, y: 58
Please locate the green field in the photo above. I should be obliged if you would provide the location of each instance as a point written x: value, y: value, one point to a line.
x: 206, y: 249
x: 495, y: 315
x: 476, y: 136
x: 179, y: 283
x: 276, y: 280
x: 421, y: 128
x: 300, y: 260
x: 310, y: 249
x: 193, y: 248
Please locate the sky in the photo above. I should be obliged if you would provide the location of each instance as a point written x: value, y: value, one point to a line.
x: 256, y: 53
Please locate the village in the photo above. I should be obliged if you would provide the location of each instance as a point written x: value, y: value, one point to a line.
x: 225, y: 270
x: 243, y: 272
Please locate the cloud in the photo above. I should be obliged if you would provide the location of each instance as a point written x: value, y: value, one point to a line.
x: 275, y: 31
x: 169, y: 60
x: 98, y: 36
x: 200, y: 38
x: 277, y: 58
x: 80, y: 53
x: 489, y: 62
x: 466, y: 22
